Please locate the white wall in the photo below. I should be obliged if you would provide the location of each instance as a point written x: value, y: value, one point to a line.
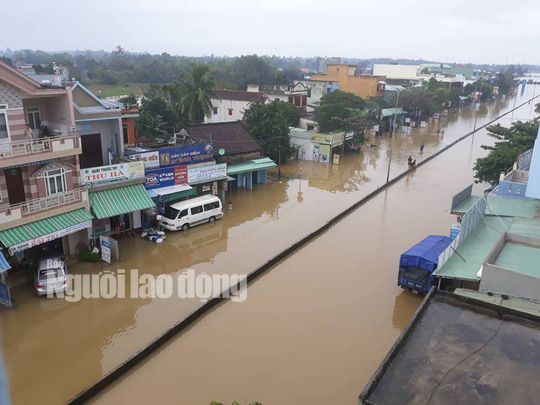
x: 223, y: 106
x: 533, y: 186
x: 404, y: 72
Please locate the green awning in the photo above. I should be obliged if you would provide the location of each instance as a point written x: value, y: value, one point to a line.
x: 45, y: 229
x: 253, y: 166
x: 120, y: 200
x: 176, y: 196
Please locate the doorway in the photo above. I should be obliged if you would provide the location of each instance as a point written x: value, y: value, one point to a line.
x: 91, y: 151
x: 15, y: 186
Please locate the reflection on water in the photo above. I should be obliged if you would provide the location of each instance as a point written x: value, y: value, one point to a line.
x: 323, y: 318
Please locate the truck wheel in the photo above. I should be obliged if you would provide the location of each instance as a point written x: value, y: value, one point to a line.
x: 185, y: 227
x: 211, y: 219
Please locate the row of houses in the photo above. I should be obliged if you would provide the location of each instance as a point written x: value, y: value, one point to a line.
x: 69, y: 172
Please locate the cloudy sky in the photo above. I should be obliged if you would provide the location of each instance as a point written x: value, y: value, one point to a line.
x: 479, y: 31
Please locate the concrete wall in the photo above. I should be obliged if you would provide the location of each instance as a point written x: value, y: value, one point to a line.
x: 498, y: 279
x: 533, y: 187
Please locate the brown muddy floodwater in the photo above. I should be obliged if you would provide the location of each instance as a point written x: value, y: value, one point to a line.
x: 312, y: 330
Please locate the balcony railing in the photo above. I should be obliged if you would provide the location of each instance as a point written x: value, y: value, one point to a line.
x: 27, y: 208
x: 42, y: 145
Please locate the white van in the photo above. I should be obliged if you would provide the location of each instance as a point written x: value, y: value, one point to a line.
x: 185, y: 214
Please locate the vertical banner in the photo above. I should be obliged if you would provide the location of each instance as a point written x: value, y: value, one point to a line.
x: 105, y: 249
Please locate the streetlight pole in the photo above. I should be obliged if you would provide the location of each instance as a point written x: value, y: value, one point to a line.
x: 391, y: 135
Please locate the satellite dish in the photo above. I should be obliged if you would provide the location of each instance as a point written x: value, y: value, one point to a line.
x: 221, y: 152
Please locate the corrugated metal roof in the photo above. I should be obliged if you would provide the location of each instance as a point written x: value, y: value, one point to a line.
x: 254, y: 165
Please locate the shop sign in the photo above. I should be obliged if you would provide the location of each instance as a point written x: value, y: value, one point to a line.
x: 205, y: 188
x: 330, y: 139
x: 169, y: 176
x: 185, y: 155
x: 455, y: 230
x: 214, y: 188
x: 336, y: 159
x: 123, y: 171
x: 224, y: 185
x: 50, y: 237
x: 5, y: 296
x: 324, y: 153
x: 207, y: 173
x: 150, y: 159
x: 105, y: 249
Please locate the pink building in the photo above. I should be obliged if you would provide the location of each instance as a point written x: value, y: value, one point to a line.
x: 41, y: 199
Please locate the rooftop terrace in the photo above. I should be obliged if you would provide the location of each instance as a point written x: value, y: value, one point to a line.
x: 459, y: 350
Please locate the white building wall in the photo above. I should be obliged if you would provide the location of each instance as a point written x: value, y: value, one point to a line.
x: 223, y: 106
x: 398, y: 72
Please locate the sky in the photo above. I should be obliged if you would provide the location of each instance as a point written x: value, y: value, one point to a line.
x: 477, y: 31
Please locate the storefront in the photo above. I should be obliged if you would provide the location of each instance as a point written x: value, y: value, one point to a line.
x: 117, y: 197
x: 327, y: 147
x: 249, y: 173
x: 55, y: 234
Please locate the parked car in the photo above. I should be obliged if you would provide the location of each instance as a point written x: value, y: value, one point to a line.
x: 196, y: 211
x: 50, y: 275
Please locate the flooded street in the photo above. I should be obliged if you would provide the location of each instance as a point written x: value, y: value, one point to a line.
x: 312, y: 330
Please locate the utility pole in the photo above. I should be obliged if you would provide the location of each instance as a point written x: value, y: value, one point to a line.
x: 391, y: 136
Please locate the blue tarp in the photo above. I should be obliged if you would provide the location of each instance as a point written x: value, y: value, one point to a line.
x: 425, y: 254
x: 3, y: 263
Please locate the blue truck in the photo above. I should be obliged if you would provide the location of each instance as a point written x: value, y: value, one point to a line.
x: 416, y: 265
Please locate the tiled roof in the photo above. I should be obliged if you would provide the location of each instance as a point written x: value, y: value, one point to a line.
x: 231, y: 136
x: 238, y: 95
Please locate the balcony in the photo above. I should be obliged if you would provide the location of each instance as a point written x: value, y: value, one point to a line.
x: 40, y: 208
x: 25, y: 152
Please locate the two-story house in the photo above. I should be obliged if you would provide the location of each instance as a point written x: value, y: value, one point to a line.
x: 231, y: 105
x: 42, y: 203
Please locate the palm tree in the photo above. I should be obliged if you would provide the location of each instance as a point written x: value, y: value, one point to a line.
x: 198, y: 87
x: 150, y: 127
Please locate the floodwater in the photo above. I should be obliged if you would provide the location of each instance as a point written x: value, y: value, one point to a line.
x: 312, y: 330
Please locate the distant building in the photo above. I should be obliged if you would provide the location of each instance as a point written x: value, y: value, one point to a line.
x: 398, y: 73
x: 363, y: 85
x: 323, y: 64
x: 317, y: 90
x: 231, y: 104
x: 296, y: 94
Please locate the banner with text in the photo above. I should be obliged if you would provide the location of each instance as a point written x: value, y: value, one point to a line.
x: 103, y: 174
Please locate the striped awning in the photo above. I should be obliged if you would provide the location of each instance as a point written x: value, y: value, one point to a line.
x: 120, y: 200
x: 38, y: 232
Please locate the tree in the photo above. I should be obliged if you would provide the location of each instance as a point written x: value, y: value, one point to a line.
x: 130, y: 100
x: 336, y: 107
x: 150, y: 127
x: 360, y: 120
x: 512, y: 141
x: 269, y: 123
x: 417, y: 100
x: 198, y: 89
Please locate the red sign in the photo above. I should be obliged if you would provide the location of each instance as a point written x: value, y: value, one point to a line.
x: 180, y: 175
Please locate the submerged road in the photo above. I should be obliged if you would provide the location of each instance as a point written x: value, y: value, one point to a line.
x: 74, y: 344
x: 316, y: 326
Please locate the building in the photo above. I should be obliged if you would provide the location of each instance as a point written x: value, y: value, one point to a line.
x: 231, y: 104
x: 99, y: 123
x: 316, y: 147
x: 234, y: 145
x: 42, y: 203
x: 323, y: 63
x: 317, y: 90
x: 395, y: 73
x: 458, y: 349
x: 361, y: 85
x: 118, y: 199
x: 296, y: 94
x: 129, y: 114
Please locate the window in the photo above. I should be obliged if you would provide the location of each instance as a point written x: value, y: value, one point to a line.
x: 230, y: 111
x: 215, y: 110
x: 211, y: 206
x: 196, y: 210
x: 183, y: 214
x: 34, y: 117
x: 4, y: 130
x: 55, y: 181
